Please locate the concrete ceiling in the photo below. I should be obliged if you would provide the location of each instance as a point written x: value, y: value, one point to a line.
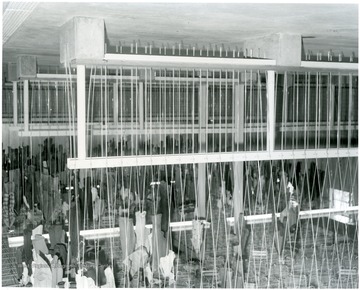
x: 324, y: 26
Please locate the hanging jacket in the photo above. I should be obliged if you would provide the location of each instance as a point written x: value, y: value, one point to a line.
x: 42, y: 271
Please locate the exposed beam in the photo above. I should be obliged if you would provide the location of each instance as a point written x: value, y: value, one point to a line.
x: 330, y: 65
x: 184, y: 61
x: 148, y: 160
x: 109, y: 232
x: 187, y: 225
x: 307, y: 214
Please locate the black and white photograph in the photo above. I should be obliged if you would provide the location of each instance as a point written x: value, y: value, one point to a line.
x: 180, y: 144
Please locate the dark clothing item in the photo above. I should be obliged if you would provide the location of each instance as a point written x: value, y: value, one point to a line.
x: 27, y: 250
x: 88, y: 200
x: 75, y: 223
x: 56, y: 235
x: 164, y: 207
x: 60, y: 249
x: 19, y: 260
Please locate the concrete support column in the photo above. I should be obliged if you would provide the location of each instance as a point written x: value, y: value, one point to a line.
x: 270, y: 93
x: 238, y: 167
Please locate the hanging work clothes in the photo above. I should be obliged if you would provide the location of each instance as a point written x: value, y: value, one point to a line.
x: 99, y: 208
x: 88, y: 203
x: 40, y: 245
x: 52, y: 166
x: 74, y: 227
x: 57, y: 271
x: 19, y: 261
x: 37, y: 231
x: 127, y: 236
x: 27, y: 255
x: 8, y: 204
x: 42, y: 271
x: 15, y: 178
x: 36, y: 217
x: 57, y: 235
x: 159, y: 243
x: 167, y: 266
x: 46, y: 196
x: 141, y: 231
x: 190, y: 189
x: 136, y: 260
x: 178, y: 186
x: 60, y: 249
x: 164, y: 207
x: 28, y: 192
x: 111, y: 186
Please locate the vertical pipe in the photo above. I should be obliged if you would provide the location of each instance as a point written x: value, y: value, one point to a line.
x: 316, y: 109
x: 15, y: 101
x: 81, y: 129
x: 351, y: 111
x: 297, y: 108
x: 250, y: 108
x: 238, y: 195
x: 270, y: 93
x: 141, y: 105
x: 339, y: 111
x: 132, y: 111
x: 26, y: 105
x: 186, y: 95
x: 116, y: 102
x: 203, y: 103
x: 239, y: 115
